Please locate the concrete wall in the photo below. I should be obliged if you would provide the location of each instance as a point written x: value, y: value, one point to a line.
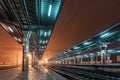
x: 10, y: 50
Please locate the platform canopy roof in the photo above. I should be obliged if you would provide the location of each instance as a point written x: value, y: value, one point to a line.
x: 38, y: 16
x: 60, y: 26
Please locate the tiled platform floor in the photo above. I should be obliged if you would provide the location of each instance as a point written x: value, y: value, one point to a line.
x: 31, y: 74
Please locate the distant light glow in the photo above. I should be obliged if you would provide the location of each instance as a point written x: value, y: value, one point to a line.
x: 10, y: 29
x: 29, y: 55
x: 50, y: 8
x: 46, y: 60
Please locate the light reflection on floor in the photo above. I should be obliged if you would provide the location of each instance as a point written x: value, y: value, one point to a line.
x: 17, y: 74
x: 41, y: 73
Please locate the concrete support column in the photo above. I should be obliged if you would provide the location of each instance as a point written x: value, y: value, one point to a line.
x: 74, y: 58
x: 33, y: 59
x: 81, y: 60
x: 96, y: 58
x: 91, y: 59
x: 27, y: 61
x: 66, y: 61
x: 25, y: 64
x: 108, y: 59
x: 103, y: 54
x: 36, y: 61
x: 77, y: 60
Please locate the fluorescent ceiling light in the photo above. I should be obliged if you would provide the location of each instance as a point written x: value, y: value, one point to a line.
x: 86, y: 43
x: 91, y: 54
x: 43, y: 42
x: 106, y: 35
x: 76, y: 47
x: 10, y: 29
x: 19, y: 40
x: 86, y: 55
x: 50, y: 8
x: 45, y: 34
x: 118, y: 51
x: 4, y: 26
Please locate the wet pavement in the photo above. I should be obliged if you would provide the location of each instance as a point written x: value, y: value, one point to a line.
x: 31, y: 74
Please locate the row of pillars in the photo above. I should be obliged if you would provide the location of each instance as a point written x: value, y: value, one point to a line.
x: 104, y: 59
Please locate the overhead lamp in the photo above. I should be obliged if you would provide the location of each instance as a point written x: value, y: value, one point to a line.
x: 118, y: 51
x: 86, y: 55
x: 106, y: 35
x: 10, y: 29
x: 4, y: 26
x: 50, y: 8
x: 76, y: 47
x: 98, y: 53
x: 19, y: 40
x: 46, y: 41
x: 91, y: 54
x: 110, y: 51
x: 43, y: 42
x: 87, y: 43
x: 45, y: 34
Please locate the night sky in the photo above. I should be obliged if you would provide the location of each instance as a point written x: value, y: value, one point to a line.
x: 80, y: 20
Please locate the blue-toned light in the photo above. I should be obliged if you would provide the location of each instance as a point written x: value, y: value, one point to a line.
x: 91, y: 54
x: 106, y: 35
x: 50, y: 8
x: 56, y: 9
x: 98, y: 53
x: 41, y: 41
x: 118, y: 51
x: 87, y: 43
x: 46, y: 41
x: 85, y: 55
x: 45, y: 34
x: 110, y: 51
x: 49, y: 32
x: 41, y: 32
x: 76, y: 47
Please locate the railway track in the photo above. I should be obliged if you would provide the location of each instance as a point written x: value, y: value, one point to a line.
x: 81, y: 74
